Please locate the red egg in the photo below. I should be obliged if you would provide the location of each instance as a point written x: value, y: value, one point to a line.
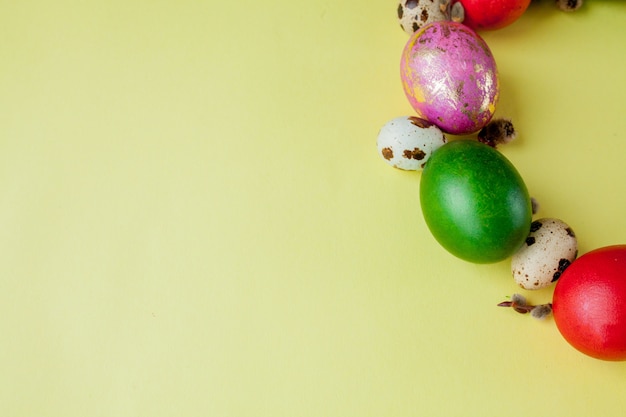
x: 589, y: 303
x: 492, y: 14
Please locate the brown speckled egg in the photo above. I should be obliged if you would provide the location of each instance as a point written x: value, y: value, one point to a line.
x: 550, y: 247
x: 407, y: 142
x: 413, y: 14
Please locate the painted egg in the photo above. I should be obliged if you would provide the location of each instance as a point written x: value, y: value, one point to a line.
x: 589, y: 303
x: 492, y: 14
x: 550, y: 247
x: 474, y: 202
x: 413, y: 14
x: 450, y: 77
x: 407, y: 142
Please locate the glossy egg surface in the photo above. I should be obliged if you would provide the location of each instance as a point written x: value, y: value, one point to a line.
x: 492, y: 14
x: 474, y: 202
x: 450, y: 77
x: 589, y: 303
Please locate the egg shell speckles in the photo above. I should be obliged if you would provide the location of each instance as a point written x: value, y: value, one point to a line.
x: 550, y: 247
x: 415, y: 14
x: 449, y: 76
x: 407, y: 142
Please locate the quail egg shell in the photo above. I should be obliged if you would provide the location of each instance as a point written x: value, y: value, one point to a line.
x: 413, y: 14
x: 549, y: 249
x: 407, y: 142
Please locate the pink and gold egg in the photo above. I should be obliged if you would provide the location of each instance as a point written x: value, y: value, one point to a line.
x: 450, y: 77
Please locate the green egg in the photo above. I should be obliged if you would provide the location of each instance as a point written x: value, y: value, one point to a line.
x: 474, y: 202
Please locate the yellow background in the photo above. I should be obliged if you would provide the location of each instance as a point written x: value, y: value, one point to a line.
x: 194, y: 220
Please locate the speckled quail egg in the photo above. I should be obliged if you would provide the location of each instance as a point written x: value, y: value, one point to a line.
x: 549, y: 249
x: 407, y: 142
x: 413, y: 14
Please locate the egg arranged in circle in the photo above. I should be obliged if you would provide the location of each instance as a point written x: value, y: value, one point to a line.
x: 407, y: 142
x: 414, y: 14
x: 449, y: 76
x: 548, y: 250
x: 474, y: 202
